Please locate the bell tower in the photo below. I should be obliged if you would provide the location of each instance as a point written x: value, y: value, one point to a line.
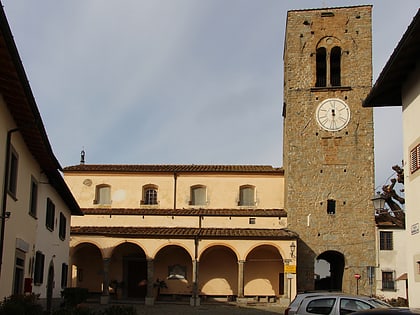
x: 328, y: 146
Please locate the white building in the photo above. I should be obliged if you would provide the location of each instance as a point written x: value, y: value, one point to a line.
x: 36, y: 204
x: 399, y: 85
x: 391, y: 271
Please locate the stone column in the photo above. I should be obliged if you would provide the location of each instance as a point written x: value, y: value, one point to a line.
x: 150, y: 297
x: 195, y: 299
x: 241, y: 298
x: 105, y: 281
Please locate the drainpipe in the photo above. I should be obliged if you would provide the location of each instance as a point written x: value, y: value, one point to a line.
x: 5, y: 187
x: 175, y: 184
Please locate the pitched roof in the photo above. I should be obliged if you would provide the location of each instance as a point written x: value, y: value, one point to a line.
x: 187, y: 212
x: 387, y: 89
x: 17, y: 94
x: 180, y: 232
x: 168, y: 168
x: 385, y: 220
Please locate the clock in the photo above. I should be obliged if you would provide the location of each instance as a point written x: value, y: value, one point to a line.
x: 333, y: 114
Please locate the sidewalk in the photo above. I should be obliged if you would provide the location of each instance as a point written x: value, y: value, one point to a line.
x: 206, y: 309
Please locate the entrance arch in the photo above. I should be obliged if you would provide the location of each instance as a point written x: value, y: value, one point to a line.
x: 50, y: 286
x: 331, y: 279
x: 128, y: 271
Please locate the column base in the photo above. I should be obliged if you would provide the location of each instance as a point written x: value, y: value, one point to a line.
x: 241, y: 300
x: 104, y: 299
x: 195, y: 301
x: 149, y: 300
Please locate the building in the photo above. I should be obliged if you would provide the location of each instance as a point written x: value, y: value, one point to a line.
x: 36, y: 204
x: 399, y: 85
x: 391, y: 271
x: 328, y: 146
x: 207, y: 231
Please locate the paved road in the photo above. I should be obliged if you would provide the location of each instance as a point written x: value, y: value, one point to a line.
x: 207, y: 309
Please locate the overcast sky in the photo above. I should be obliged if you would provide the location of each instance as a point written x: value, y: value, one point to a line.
x: 177, y: 81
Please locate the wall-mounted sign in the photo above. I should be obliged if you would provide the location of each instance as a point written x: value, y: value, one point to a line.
x: 415, y: 229
x: 290, y: 268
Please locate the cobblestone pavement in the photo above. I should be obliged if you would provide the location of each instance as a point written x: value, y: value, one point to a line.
x: 207, y: 309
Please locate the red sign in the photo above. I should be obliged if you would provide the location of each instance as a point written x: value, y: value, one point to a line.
x: 357, y: 276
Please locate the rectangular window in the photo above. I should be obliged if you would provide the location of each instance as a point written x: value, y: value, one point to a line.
x: 62, y: 230
x: 415, y: 159
x: 247, y: 196
x: 39, y: 268
x: 33, y: 197
x: 386, y: 240
x: 19, y: 268
x: 387, y: 280
x: 64, y: 272
x: 49, y: 221
x: 13, y: 173
x: 331, y: 206
x: 252, y: 220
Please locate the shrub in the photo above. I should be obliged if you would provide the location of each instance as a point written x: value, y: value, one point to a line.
x: 74, y: 311
x: 119, y: 310
x: 21, y: 305
x: 74, y: 296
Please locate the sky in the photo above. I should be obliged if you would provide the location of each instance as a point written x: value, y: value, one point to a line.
x: 178, y: 81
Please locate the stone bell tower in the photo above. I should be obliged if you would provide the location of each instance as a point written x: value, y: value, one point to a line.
x: 328, y: 145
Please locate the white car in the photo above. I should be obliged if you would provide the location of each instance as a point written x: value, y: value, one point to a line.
x: 334, y: 304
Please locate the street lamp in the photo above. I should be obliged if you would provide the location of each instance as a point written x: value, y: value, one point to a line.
x: 378, y: 202
x: 292, y: 250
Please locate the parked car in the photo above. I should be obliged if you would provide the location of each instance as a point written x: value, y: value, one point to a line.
x: 390, y: 311
x: 335, y: 304
x: 294, y: 305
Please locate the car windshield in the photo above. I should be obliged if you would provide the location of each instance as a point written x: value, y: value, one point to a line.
x: 378, y: 303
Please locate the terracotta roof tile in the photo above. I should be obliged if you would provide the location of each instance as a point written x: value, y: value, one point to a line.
x: 187, y: 212
x: 181, y: 232
x: 168, y: 168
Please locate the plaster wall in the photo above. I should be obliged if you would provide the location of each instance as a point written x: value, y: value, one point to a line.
x: 411, y: 138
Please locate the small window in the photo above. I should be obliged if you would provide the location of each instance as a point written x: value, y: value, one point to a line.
x: 321, y: 67
x: 388, y: 280
x: 321, y: 306
x: 386, y: 240
x: 103, y: 195
x: 252, y: 220
x: 13, y: 173
x: 418, y: 267
x: 64, y: 272
x: 331, y: 206
x: 33, y: 197
x: 63, y: 227
x: 50, y: 217
x: 415, y: 159
x: 247, y: 196
x: 150, y: 195
x: 198, y: 195
x: 39, y: 268
x: 335, y: 66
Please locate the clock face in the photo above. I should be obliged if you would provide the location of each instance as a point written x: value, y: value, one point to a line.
x: 333, y: 114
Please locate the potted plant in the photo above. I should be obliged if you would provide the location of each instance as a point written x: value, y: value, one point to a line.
x: 159, y: 284
x: 117, y: 287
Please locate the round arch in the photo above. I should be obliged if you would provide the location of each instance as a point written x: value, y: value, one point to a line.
x: 216, y: 244
x: 329, y: 267
x: 218, y: 272
x: 128, y: 270
x: 173, y: 265
x: 87, y: 266
x: 264, y: 271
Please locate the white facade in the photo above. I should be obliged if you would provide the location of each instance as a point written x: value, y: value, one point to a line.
x: 411, y: 141
x: 392, y: 265
x: 399, y: 85
x: 34, y: 250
